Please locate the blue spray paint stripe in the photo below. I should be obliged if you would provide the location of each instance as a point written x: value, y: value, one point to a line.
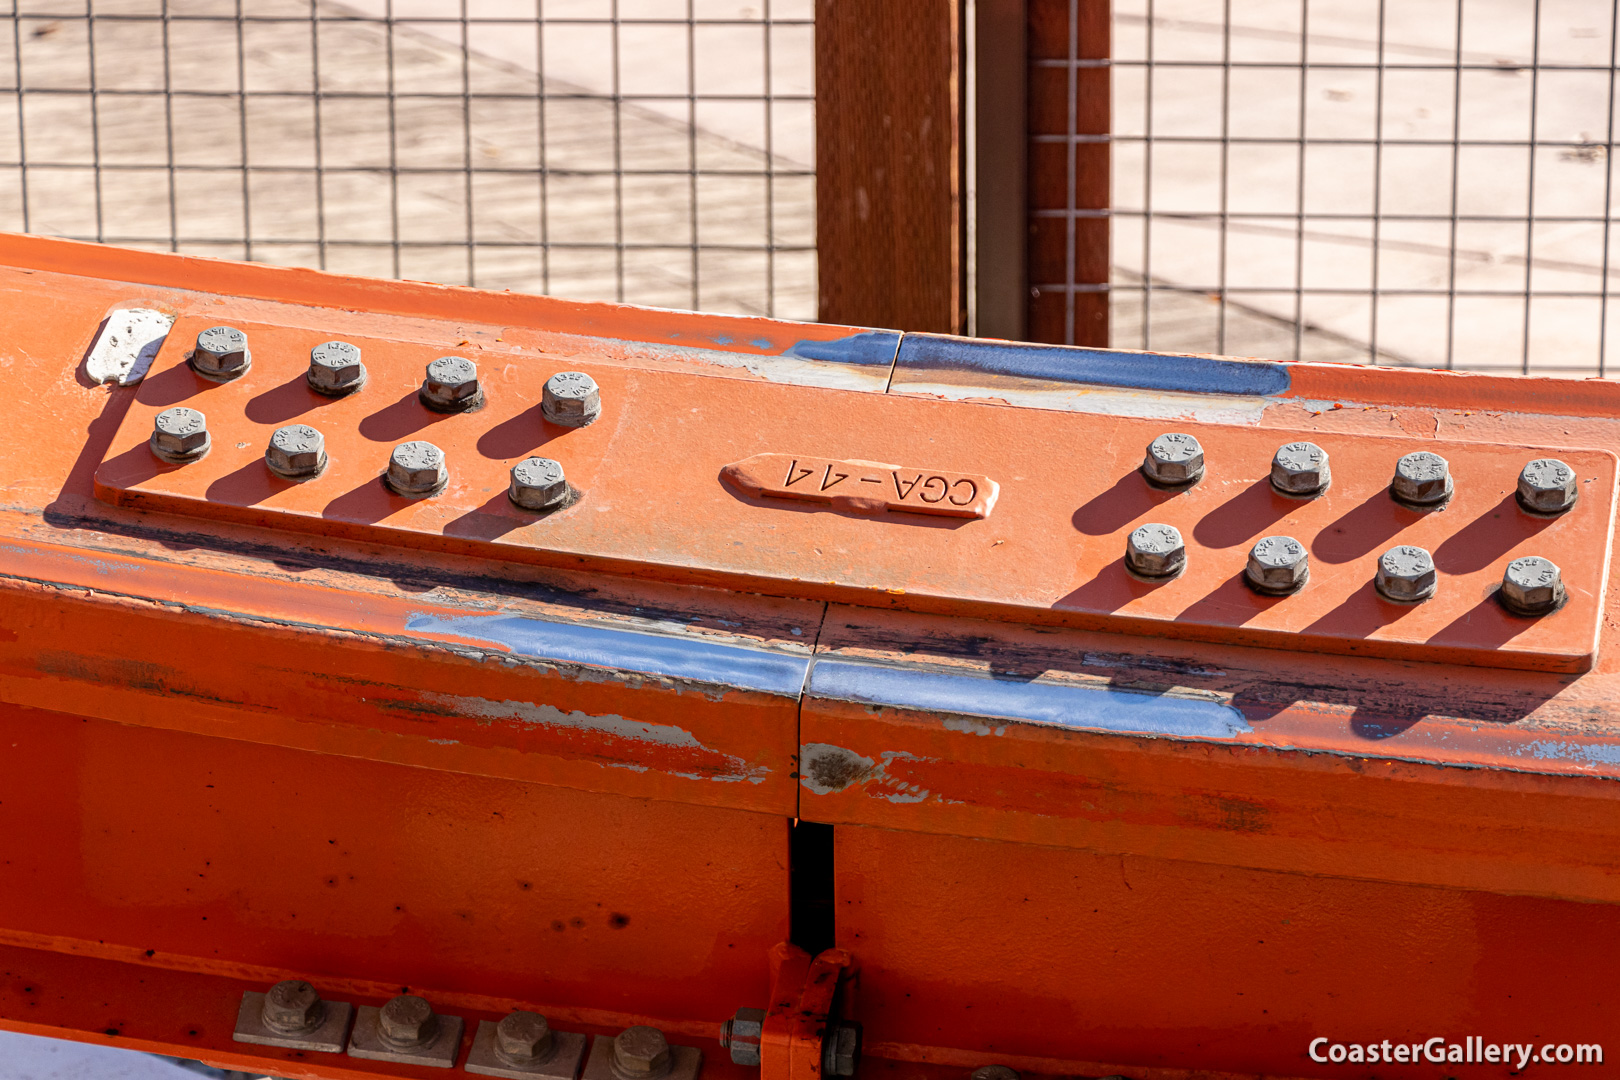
x: 627, y: 650
x: 1061, y: 363
x: 1046, y: 703
x: 873, y: 348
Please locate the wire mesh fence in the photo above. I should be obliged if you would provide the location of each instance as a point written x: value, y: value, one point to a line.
x: 653, y: 151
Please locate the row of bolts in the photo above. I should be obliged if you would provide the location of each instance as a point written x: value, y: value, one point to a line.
x: 1280, y: 565
x: 416, y: 469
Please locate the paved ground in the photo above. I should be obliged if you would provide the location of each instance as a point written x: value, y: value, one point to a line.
x: 26, y: 1057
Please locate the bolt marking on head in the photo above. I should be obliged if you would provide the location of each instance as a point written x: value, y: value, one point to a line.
x: 1156, y: 551
x: 1277, y: 565
x: 1422, y: 479
x: 417, y: 469
x: 179, y: 435
x: 1406, y: 574
x: 1532, y: 586
x: 1547, y: 486
x: 335, y: 369
x: 571, y: 399
x: 1173, y: 460
x: 221, y: 354
x: 292, y: 1007
x: 451, y: 385
x: 538, y: 484
x: 296, y: 452
x: 1300, y: 469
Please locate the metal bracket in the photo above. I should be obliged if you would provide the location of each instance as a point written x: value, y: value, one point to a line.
x: 797, y: 1023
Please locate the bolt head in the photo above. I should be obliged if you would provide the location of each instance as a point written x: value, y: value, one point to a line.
x: 451, y: 384
x: 1421, y: 479
x: 296, y: 451
x: 291, y: 1007
x: 538, y: 484
x: 335, y: 368
x: 222, y: 352
x: 1532, y: 586
x: 995, y: 1072
x: 1156, y: 550
x: 571, y: 398
x: 840, y: 1048
x: 417, y: 468
x: 641, y: 1052
x: 1278, y: 564
x: 180, y: 433
x: 1547, y: 486
x: 408, y: 1021
x: 1406, y: 573
x: 1173, y: 459
x: 1300, y: 468
x: 742, y: 1034
x: 523, y: 1036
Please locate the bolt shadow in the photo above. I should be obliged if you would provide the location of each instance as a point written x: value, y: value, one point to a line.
x: 1488, y: 537
x: 515, y: 438
x: 1232, y: 603
x: 247, y: 486
x: 1110, y: 590
x: 367, y: 504
x: 134, y: 466
x: 1361, y: 613
x: 1129, y: 498
x: 404, y: 417
x: 1243, y: 517
x: 1363, y: 529
x: 281, y: 403
x: 498, y: 516
x: 1486, y: 625
x: 172, y: 386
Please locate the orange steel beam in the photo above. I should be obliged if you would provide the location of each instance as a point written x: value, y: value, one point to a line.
x: 1081, y: 822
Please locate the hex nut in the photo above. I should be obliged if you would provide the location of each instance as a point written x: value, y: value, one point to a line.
x: 1278, y: 565
x: 1422, y: 479
x: 1547, y: 486
x: 292, y: 1007
x: 180, y: 435
x: 296, y: 452
x: 451, y: 385
x: 1532, y: 586
x: 1156, y: 551
x: 995, y: 1072
x: 335, y: 369
x: 407, y: 1021
x: 640, y: 1053
x: 523, y: 1037
x: 840, y: 1048
x: 571, y: 399
x: 417, y: 469
x: 1406, y: 575
x: 742, y: 1034
x: 1300, y: 469
x: 221, y: 354
x: 538, y: 484
x: 1174, y: 460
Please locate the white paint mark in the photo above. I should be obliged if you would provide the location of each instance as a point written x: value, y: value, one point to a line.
x: 127, y: 345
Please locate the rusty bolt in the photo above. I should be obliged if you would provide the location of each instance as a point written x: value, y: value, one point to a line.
x: 1532, y: 586
x: 451, y: 385
x: 1278, y: 565
x: 1300, y: 468
x: 296, y: 452
x: 538, y: 484
x: 523, y: 1037
x: 741, y: 1035
x: 995, y: 1072
x: 1547, y: 486
x: 840, y: 1048
x: 407, y: 1021
x: 571, y: 398
x: 641, y: 1052
x: 180, y: 435
x: 292, y: 1007
x: 1156, y: 551
x: 335, y: 369
x: 417, y: 468
x: 221, y: 354
x: 1421, y: 479
x: 1406, y: 574
x: 1174, y: 460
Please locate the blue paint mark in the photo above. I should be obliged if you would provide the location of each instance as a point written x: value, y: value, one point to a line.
x: 1060, y: 363
x: 1590, y: 753
x: 1046, y: 703
x: 872, y: 348
x: 627, y: 650
x: 722, y: 339
x: 762, y: 343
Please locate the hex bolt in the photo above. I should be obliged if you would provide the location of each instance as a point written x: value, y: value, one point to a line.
x: 451, y: 385
x: 221, y: 354
x: 292, y: 1008
x: 1278, y: 565
x: 840, y: 1048
x: 1300, y: 469
x: 1156, y: 551
x: 1546, y: 486
x: 296, y: 452
x: 179, y: 435
x: 1422, y: 479
x: 1532, y: 586
x: 523, y: 1037
x: 335, y: 369
x: 640, y: 1053
x: 538, y: 484
x: 995, y: 1072
x: 571, y: 399
x: 1406, y: 575
x: 742, y: 1034
x: 1174, y: 460
x: 407, y: 1021
x: 417, y: 469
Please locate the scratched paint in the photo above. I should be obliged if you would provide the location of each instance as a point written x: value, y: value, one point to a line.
x: 825, y: 769
x: 1101, y: 709
x: 1587, y: 753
